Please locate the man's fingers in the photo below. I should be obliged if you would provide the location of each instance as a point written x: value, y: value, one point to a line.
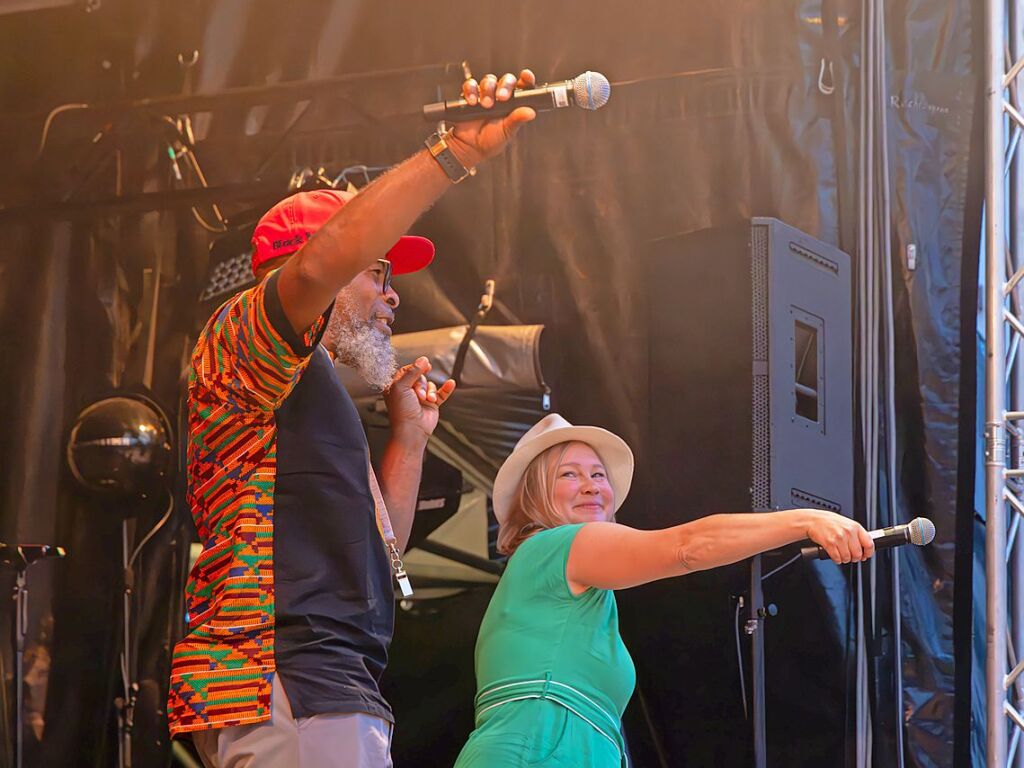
x: 515, y: 119
x: 526, y: 79
x: 445, y: 391
x: 521, y: 115
x: 408, y: 374
x: 491, y: 88
x: 505, y: 86
x: 488, y: 85
x: 426, y: 391
x: 436, y: 395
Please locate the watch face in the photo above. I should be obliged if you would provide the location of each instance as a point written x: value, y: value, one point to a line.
x: 436, y: 144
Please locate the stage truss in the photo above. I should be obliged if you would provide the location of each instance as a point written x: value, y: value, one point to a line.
x: 1004, y: 382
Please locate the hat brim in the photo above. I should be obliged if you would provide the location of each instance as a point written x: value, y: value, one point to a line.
x: 410, y: 254
x: 613, y: 450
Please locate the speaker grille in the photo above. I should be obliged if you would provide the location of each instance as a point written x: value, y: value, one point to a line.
x: 760, y: 487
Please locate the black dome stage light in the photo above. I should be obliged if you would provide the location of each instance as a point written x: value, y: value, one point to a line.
x: 121, y: 446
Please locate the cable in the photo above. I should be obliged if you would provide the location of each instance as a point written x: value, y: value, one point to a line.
x: 129, y: 657
x: 160, y: 524
x: 864, y: 384
x: 207, y: 225
x: 49, y: 120
x: 890, y: 378
x: 193, y: 161
x: 6, y: 736
x: 674, y: 76
x: 186, y: 139
x: 364, y: 170
x: 281, y: 140
x: 486, y: 302
x: 789, y: 562
x: 739, y: 657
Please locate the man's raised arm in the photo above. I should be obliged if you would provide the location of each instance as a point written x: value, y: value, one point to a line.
x: 364, y: 229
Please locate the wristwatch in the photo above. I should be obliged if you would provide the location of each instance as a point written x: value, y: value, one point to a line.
x: 437, y: 145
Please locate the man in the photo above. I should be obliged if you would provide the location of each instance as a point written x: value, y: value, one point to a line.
x: 290, y: 604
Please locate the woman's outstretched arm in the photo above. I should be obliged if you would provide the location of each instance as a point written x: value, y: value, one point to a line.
x: 613, y: 556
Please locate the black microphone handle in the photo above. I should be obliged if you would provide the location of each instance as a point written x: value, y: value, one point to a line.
x: 889, y: 537
x: 541, y: 98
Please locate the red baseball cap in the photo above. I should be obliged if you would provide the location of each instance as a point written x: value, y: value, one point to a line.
x: 291, y: 223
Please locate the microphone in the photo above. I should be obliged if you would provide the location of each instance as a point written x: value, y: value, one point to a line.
x: 589, y: 91
x: 919, y: 531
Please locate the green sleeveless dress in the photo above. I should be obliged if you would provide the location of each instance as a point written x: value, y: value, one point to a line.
x: 553, y: 675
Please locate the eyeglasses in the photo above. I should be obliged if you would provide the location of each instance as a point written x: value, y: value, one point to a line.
x: 385, y: 276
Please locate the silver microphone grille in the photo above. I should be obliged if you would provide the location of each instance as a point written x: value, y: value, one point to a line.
x: 922, y: 531
x: 591, y: 90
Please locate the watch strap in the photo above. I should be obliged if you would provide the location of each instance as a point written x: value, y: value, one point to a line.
x: 437, y: 145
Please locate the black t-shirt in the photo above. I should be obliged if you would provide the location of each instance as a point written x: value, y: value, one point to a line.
x: 334, y: 604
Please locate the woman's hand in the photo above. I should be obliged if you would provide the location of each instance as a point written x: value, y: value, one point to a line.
x: 844, y: 539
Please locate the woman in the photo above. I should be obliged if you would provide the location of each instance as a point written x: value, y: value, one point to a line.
x: 553, y: 676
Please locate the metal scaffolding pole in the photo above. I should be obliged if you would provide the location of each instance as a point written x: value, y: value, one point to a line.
x: 1015, y: 233
x: 1003, y: 183
x: 1015, y: 255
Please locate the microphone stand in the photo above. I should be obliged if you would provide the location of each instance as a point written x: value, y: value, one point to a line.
x: 21, y: 557
x: 486, y: 302
x: 20, y: 631
x: 126, y: 703
x: 753, y: 628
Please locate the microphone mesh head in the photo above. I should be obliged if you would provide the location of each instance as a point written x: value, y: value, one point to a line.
x: 591, y: 90
x: 922, y: 531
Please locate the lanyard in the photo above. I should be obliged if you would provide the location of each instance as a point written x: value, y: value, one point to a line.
x: 387, y: 533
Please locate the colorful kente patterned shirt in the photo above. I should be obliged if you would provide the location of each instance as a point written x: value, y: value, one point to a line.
x: 242, y: 369
x: 293, y: 577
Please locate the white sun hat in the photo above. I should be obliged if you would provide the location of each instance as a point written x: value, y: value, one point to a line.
x: 552, y: 430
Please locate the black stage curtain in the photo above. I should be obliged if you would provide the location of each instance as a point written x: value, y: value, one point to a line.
x: 716, y: 116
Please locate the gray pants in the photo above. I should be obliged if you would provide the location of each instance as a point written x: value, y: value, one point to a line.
x: 357, y: 740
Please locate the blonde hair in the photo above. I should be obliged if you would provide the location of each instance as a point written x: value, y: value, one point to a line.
x: 533, y: 508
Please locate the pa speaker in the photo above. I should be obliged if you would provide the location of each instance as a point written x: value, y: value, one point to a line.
x: 751, y: 371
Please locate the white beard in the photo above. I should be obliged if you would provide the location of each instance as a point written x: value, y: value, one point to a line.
x: 360, y: 344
